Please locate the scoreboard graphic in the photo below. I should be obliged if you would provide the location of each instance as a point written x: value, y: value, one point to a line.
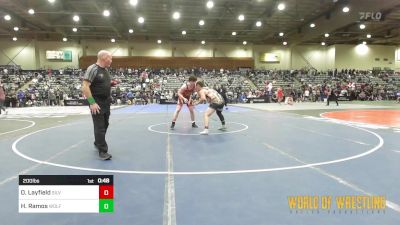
x: 66, y: 194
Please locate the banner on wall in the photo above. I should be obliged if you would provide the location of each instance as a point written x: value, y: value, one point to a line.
x: 398, y: 55
x: 270, y: 57
x: 59, y: 55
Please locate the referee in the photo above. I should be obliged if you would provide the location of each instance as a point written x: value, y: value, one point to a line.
x: 96, y: 86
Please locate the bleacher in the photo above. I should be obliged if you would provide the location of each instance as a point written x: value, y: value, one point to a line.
x: 172, y: 82
x: 164, y: 85
x: 394, y: 80
x: 278, y: 79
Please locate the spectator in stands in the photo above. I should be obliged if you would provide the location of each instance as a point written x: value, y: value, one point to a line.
x: 242, y: 97
x: 362, y: 96
x: 185, y: 97
x: 279, y: 95
x: 96, y: 86
x: 33, y: 98
x: 307, y: 94
x: 52, y: 98
x: 321, y: 93
x: 21, y: 98
x: 61, y: 98
x: 269, y: 88
x: 2, y: 98
x: 130, y: 96
x: 315, y: 94
x: 29, y: 103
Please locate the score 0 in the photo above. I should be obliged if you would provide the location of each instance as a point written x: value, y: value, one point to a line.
x: 106, y: 201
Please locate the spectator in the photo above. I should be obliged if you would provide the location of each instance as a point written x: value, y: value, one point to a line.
x: 2, y: 98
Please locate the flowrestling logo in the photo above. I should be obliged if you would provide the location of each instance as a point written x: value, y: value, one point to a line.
x: 377, y: 16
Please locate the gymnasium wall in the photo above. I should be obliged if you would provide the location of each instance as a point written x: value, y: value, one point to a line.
x: 30, y: 54
x: 168, y: 49
x: 19, y: 53
x: 192, y: 50
x: 173, y: 62
x: 282, y: 51
x: 397, y: 58
x: 93, y: 47
x: 364, y: 57
x: 315, y: 56
x: 330, y: 57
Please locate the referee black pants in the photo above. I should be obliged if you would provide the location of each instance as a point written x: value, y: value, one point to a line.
x: 332, y: 98
x: 100, y: 123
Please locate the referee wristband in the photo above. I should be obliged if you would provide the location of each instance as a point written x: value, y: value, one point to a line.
x: 91, y: 100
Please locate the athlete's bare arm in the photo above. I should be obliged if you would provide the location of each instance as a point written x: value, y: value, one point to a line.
x: 202, y: 97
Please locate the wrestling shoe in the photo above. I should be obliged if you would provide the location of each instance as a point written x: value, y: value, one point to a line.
x: 204, y: 132
x: 223, y: 128
x: 104, y: 156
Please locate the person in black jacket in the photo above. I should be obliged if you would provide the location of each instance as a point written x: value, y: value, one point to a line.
x: 332, y: 96
x: 222, y: 92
